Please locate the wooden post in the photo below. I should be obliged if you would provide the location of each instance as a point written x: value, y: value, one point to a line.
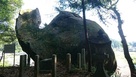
x: 28, y: 60
x: 13, y: 45
x: 83, y: 59
x: 25, y: 56
x: 3, y: 59
x: 3, y: 54
x: 14, y: 60
x: 21, y: 69
x: 54, y: 65
x: 79, y: 60
x: 68, y: 59
x: 36, y: 67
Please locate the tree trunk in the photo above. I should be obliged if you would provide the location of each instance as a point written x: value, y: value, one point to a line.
x: 124, y: 43
x: 86, y: 38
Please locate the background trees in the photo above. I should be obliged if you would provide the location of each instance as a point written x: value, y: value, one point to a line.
x: 8, y: 11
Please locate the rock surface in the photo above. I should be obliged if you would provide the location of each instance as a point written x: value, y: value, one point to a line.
x: 64, y: 34
x: 66, y: 30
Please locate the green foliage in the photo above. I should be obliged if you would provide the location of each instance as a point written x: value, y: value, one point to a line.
x: 76, y: 5
x: 8, y: 10
x: 8, y: 35
x: 133, y: 56
x: 134, y: 60
x: 6, y: 64
x: 101, y: 7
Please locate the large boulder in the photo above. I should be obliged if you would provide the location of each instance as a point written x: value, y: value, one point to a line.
x: 64, y: 34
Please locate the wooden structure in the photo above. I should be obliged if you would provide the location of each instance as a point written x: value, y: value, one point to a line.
x: 9, y: 48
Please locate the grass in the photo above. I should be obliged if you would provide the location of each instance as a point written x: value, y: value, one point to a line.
x: 120, y: 56
x: 6, y: 64
x: 133, y: 56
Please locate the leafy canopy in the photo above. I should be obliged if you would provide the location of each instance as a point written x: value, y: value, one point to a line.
x: 8, y: 10
x: 76, y: 5
x: 101, y: 7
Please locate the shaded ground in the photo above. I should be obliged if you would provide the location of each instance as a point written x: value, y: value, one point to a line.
x: 14, y: 72
x: 29, y: 72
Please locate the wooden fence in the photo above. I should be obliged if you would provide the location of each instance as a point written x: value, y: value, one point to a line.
x: 80, y: 63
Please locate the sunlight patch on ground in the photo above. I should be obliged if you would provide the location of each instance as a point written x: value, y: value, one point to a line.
x: 123, y: 67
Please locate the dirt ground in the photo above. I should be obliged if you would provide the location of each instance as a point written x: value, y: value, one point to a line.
x: 123, y: 68
x: 29, y: 72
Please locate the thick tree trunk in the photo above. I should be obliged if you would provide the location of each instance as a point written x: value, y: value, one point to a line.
x: 124, y: 43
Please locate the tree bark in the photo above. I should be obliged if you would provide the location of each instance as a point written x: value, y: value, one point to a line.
x: 86, y: 38
x: 124, y: 43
